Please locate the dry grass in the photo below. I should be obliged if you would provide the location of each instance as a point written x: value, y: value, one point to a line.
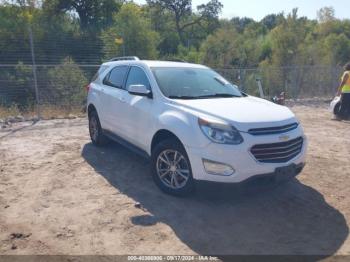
x: 9, y: 111
x: 46, y: 112
x: 58, y: 112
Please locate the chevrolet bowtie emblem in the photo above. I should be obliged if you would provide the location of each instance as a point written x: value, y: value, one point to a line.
x: 284, y: 138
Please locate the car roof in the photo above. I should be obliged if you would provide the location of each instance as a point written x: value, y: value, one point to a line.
x: 155, y: 63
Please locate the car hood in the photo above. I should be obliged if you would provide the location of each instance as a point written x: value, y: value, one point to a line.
x: 243, y: 112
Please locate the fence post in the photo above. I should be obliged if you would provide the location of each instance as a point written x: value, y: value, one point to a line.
x: 334, y: 80
x: 296, y: 83
x: 242, y: 79
x: 34, y: 73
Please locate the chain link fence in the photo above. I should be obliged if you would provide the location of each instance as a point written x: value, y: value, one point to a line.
x: 297, y: 82
x: 42, y: 80
x: 59, y: 90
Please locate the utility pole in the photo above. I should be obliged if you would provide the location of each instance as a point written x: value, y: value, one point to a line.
x: 34, y: 73
x: 261, y: 90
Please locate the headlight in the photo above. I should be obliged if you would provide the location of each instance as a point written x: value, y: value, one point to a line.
x: 220, y: 133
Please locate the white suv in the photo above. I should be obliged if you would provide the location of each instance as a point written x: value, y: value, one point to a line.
x: 192, y: 123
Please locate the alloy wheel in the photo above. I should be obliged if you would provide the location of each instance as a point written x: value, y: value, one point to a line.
x: 173, y: 169
x: 93, y: 127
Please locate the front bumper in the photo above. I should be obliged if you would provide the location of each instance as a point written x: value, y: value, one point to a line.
x: 240, y: 158
x: 263, y: 179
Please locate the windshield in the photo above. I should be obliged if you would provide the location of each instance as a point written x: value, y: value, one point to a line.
x: 193, y: 83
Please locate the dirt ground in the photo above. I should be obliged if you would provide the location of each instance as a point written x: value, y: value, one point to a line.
x: 61, y: 195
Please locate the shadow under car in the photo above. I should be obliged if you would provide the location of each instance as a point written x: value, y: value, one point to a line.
x: 289, y: 219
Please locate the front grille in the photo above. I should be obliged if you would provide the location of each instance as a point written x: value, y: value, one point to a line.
x: 272, y: 130
x: 277, y: 152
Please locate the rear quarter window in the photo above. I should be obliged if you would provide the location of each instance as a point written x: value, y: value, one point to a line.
x: 98, y: 73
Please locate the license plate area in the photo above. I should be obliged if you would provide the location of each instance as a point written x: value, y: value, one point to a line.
x: 286, y: 170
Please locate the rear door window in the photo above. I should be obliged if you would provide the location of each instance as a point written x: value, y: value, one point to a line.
x: 116, y: 77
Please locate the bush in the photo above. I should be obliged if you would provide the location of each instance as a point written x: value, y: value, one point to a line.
x: 65, y: 85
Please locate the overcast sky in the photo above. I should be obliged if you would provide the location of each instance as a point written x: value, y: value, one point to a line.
x: 257, y: 9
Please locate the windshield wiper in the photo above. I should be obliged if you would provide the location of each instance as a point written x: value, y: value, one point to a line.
x: 217, y: 79
x: 182, y: 97
x: 223, y: 95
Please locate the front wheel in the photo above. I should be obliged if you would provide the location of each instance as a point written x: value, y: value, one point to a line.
x: 171, y: 168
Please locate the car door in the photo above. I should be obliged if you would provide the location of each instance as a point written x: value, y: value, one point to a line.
x: 113, y: 100
x: 138, y: 109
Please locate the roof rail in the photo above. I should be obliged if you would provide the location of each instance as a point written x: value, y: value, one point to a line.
x: 176, y: 60
x: 124, y: 58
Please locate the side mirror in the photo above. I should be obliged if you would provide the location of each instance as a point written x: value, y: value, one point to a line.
x: 139, y: 90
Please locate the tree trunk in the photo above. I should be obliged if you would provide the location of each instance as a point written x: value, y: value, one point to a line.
x: 179, y: 29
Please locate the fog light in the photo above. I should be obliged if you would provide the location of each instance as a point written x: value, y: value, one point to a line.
x: 216, y: 168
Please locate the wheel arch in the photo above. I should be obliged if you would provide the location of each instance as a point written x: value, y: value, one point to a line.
x: 91, y: 108
x: 162, y: 135
x: 182, y: 127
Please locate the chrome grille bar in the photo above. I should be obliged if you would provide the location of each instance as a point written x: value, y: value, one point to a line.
x: 272, y: 130
x: 277, y: 152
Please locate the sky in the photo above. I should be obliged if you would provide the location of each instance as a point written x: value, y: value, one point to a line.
x: 257, y: 9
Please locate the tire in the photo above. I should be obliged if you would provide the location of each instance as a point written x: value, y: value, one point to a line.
x: 337, y: 109
x: 175, y: 179
x: 95, y: 130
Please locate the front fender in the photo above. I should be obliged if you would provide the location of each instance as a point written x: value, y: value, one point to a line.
x: 185, y: 127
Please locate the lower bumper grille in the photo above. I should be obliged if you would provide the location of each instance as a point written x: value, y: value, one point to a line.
x: 278, y: 152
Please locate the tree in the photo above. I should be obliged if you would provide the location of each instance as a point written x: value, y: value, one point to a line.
x: 326, y: 14
x: 24, y: 3
x: 241, y: 23
x: 286, y: 40
x: 254, y: 45
x: 221, y: 49
x: 14, y: 37
x: 131, y: 35
x: 94, y: 14
x: 327, y: 23
x: 338, y: 47
x: 183, y: 14
x: 272, y: 20
x: 162, y: 23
